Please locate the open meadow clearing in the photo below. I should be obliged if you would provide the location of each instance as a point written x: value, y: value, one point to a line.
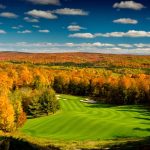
x: 81, y: 121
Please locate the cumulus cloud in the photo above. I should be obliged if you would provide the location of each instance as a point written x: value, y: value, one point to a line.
x: 17, y: 27
x: 96, y: 47
x: 129, y: 5
x: 26, y: 44
x: 8, y: 15
x: 44, y: 31
x: 2, y: 31
x: 24, y: 32
x: 142, y: 45
x: 69, y: 11
x: 130, y: 33
x: 82, y: 35
x: 41, y: 14
x: 35, y: 26
x: 47, y: 44
x: 126, y: 21
x: 96, y: 44
x: 2, y: 6
x: 27, y: 19
x: 125, y: 45
x: 45, y: 2
x: 75, y: 28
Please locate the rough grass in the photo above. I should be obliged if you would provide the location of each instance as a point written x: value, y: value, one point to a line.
x: 81, y: 121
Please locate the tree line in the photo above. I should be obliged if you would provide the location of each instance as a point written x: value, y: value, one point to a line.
x: 104, y: 86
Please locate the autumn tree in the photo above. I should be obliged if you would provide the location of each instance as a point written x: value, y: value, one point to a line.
x: 61, y: 83
x: 21, y: 119
x: 25, y: 77
x: 16, y: 101
x: 7, y: 114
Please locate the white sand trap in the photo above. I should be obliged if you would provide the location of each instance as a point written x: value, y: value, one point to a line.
x: 64, y: 99
x: 88, y: 101
x: 82, y: 100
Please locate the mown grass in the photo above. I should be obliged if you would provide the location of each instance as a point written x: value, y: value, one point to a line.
x: 77, y: 121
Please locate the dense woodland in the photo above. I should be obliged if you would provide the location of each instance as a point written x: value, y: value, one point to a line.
x: 79, y: 59
x: 27, y: 89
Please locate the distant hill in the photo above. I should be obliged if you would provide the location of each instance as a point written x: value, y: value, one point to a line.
x: 94, y: 59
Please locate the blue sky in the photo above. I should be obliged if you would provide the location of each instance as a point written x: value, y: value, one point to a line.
x: 110, y: 26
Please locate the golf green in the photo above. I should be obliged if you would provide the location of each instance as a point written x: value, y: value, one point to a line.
x: 81, y: 121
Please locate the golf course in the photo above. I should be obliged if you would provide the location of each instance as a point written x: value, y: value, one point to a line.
x: 77, y: 120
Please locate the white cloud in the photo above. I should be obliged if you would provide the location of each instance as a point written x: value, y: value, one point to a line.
x: 35, y: 26
x: 126, y: 21
x: 130, y: 33
x: 38, y: 44
x: 44, y: 31
x: 17, y: 27
x: 98, y: 44
x: 69, y: 11
x: 75, y: 28
x: 141, y: 45
x: 2, y: 31
x: 96, y: 47
x: 125, y: 45
x: 8, y: 15
x: 45, y: 2
x: 41, y: 14
x: 129, y: 5
x: 2, y: 6
x: 27, y: 19
x: 24, y: 32
x: 82, y: 35
x: 70, y: 44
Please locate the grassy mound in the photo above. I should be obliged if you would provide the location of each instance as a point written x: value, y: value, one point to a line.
x: 82, y: 121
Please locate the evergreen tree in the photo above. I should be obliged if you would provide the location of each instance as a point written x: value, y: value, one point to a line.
x: 34, y: 108
x: 48, y: 101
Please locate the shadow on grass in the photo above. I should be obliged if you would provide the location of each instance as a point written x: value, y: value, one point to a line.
x: 129, y: 108
x: 143, y: 118
x: 141, y: 109
x: 99, y: 105
x: 19, y: 144
x: 140, y: 129
x: 143, y: 144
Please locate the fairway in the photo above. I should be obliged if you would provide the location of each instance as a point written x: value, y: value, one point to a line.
x: 81, y: 121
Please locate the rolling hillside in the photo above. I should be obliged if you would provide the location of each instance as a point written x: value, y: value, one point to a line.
x: 81, y: 121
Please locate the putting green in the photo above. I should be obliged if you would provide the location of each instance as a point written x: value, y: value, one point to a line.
x: 82, y: 121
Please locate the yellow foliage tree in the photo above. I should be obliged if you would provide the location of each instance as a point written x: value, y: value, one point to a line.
x: 6, y: 114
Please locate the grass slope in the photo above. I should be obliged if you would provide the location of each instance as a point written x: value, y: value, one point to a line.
x: 80, y: 121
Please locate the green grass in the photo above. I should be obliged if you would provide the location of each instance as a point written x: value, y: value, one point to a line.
x: 81, y: 121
